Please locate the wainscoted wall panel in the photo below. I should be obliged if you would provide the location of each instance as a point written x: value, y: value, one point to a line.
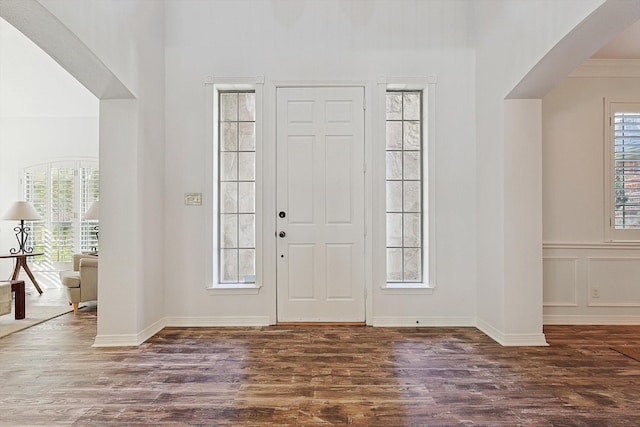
x: 560, y: 281
x: 613, y: 281
x: 591, y: 283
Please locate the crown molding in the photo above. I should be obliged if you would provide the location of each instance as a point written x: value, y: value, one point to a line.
x: 608, y: 68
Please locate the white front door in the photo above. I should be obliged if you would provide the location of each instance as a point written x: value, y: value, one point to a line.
x: 320, y: 203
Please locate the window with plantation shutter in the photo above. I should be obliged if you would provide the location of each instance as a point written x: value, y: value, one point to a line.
x: 623, y: 171
x: 61, y: 192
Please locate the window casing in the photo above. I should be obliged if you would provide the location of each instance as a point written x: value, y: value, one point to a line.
x: 404, y: 245
x: 61, y: 192
x: 622, y: 171
x: 233, y: 200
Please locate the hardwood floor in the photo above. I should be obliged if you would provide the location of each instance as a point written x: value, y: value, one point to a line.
x: 317, y: 376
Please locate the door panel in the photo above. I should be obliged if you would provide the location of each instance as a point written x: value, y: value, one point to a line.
x: 320, y: 187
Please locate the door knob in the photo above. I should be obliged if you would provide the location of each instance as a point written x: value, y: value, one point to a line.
x: 282, y: 234
x: 282, y: 214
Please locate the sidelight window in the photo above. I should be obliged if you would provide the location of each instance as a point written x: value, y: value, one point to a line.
x: 236, y: 186
x: 404, y: 186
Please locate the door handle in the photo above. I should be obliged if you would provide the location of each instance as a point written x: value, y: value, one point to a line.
x: 282, y: 234
x: 282, y: 214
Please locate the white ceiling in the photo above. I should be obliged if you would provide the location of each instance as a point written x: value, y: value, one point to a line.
x: 625, y: 46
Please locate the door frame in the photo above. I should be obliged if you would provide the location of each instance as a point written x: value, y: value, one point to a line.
x: 270, y: 186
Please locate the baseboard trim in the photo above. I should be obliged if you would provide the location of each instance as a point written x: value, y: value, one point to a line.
x: 511, y: 340
x: 416, y: 321
x: 213, y: 321
x: 129, y: 340
x: 561, y: 319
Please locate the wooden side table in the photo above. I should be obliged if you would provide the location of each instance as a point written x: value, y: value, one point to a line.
x: 21, y: 262
x: 17, y: 286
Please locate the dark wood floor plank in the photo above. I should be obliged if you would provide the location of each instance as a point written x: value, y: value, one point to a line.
x: 317, y: 375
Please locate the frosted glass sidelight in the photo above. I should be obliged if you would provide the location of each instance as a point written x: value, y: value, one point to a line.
x: 411, y: 165
x: 236, y: 180
x: 394, y: 164
x: 404, y: 160
x: 394, y: 135
x: 228, y: 107
x: 394, y: 106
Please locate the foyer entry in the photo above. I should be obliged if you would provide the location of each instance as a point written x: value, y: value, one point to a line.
x: 320, y: 204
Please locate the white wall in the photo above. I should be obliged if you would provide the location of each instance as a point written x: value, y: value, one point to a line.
x: 318, y: 41
x: 577, y: 259
x: 45, y: 115
x: 512, y: 37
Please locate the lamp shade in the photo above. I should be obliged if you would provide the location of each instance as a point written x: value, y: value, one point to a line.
x: 94, y: 211
x: 21, y: 210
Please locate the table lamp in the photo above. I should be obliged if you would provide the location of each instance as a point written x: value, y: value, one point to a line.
x: 21, y: 211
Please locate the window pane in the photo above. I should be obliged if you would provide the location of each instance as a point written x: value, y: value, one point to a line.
x: 411, y: 106
x: 394, y: 196
x: 412, y: 265
x: 247, y: 231
x: 229, y: 234
x: 394, y: 164
x: 247, y: 107
x: 627, y: 170
x: 246, y: 193
x: 229, y: 166
x: 394, y: 135
x: 229, y: 264
x: 412, y: 224
x: 247, y: 133
x: 247, y: 265
x: 411, y: 137
x: 228, y: 107
x: 411, y: 165
x: 394, y: 230
x: 394, y: 106
x: 411, y: 196
x: 228, y: 197
x: 246, y: 166
x: 394, y: 265
x: 229, y: 136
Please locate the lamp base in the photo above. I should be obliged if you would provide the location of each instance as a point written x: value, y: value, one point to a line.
x: 22, y: 233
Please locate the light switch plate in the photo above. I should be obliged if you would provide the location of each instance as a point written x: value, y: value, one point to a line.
x: 193, y: 199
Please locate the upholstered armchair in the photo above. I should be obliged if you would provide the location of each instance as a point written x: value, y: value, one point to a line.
x: 82, y: 282
x: 5, y: 298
